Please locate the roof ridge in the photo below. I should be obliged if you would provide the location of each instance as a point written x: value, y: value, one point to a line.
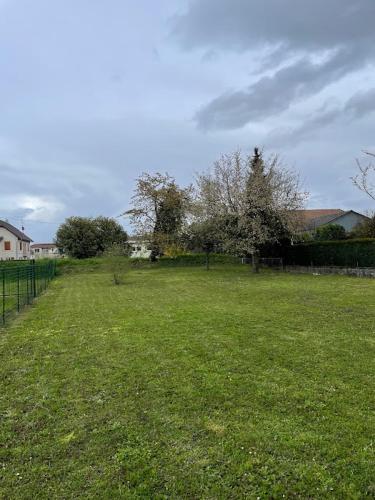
x: 16, y: 232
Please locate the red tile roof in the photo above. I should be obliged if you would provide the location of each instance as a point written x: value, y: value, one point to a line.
x: 319, y: 212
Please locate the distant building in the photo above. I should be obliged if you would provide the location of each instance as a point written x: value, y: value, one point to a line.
x: 14, y: 244
x: 139, y: 247
x: 311, y: 220
x: 45, y: 251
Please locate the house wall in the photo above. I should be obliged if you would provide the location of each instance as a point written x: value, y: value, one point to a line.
x: 16, y: 251
x: 349, y: 221
x: 45, y: 253
x: 139, y: 250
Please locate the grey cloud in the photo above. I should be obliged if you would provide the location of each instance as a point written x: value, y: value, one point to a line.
x: 244, y: 25
x: 310, y: 127
x: 357, y: 107
x: 311, y: 30
x: 209, y: 55
x: 271, y: 95
x: 361, y: 103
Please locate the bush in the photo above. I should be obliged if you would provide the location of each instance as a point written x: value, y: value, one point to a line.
x: 330, y: 232
x: 365, y: 230
x: 197, y: 259
x: 69, y: 265
x: 84, y: 237
x: 173, y: 250
x: 346, y: 253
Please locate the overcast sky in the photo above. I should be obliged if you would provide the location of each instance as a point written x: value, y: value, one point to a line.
x: 95, y: 92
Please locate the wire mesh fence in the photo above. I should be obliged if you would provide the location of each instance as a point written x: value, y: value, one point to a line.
x: 273, y: 262
x: 20, y: 283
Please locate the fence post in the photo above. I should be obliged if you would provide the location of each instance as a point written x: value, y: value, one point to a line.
x: 18, y: 289
x: 27, y: 285
x: 33, y: 278
x: 3, y: 301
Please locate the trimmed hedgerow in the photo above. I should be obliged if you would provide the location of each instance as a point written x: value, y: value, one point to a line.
x: 197, y: 259
x: 346, y: 253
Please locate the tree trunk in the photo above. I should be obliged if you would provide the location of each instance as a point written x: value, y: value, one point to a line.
x: 207, y: 261
x: 255, y: 262
x: 154, y: 250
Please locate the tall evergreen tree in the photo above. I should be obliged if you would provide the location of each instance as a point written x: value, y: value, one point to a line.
x: 258, y: 207
x: 262, y: 221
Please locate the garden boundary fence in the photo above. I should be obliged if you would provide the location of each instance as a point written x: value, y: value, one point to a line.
x: 20, y: 283
x: 359, y: 272
x: 274, y: 262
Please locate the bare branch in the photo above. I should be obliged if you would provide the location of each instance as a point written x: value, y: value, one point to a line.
x: 363, y: 180
x: 223, y: 200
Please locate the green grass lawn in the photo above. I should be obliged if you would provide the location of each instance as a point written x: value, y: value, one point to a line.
x: 182, y: 383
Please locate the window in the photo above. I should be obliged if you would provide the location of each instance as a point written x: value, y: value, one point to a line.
x: 6, y: 245
x: 20, y: 245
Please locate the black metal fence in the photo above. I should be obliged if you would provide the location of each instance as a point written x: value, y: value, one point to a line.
x: 274, y: 262
x: 360, y: 272
x: 20, y: 283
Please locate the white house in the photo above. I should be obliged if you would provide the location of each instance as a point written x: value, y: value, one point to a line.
x: 139, y: 248
x: 45, y: 251
x: 14, y: 244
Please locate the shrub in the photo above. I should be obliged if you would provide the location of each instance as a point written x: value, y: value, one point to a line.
x: 365, y: 230
x: 173, y: 250
x: 346, y: 253
x: 70, y: 265
x: 84, y: 237
x: 330, y: 232
x: 197, y: 259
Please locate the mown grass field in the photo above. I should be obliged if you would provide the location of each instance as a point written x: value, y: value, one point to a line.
x: 182, y: 383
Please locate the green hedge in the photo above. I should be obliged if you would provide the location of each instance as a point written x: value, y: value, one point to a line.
x: 346, y: 253
x: 198, y: 259
x: 70, y: 265
x: 14, y: 263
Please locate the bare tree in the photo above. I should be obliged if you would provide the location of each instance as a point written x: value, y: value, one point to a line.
x: 363, y: 179
x: 252, y: 201
x: 221, y: 192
